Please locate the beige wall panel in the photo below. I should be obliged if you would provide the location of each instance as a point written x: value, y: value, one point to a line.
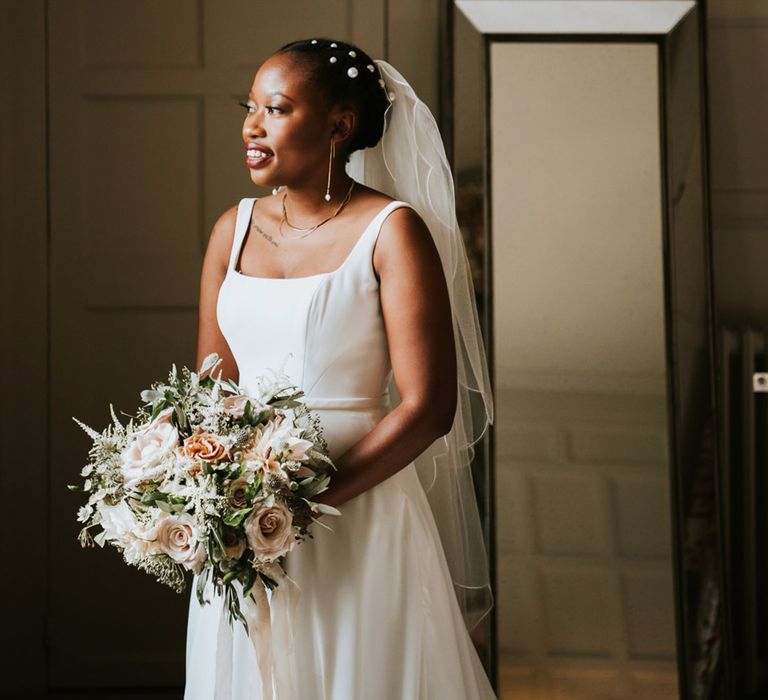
x: 140, y: 199
x: 413, y: 47
x: 738, y: 85
x: 367, y: 25
x: 140, y: 33
x: 739, y: 156
x: 743, y: 13
x: 226, y: 178
x: 249, y: 31
x: 127, y: 219
x: 23, y: 344
x: 469, y: 90
x: 741, y: 254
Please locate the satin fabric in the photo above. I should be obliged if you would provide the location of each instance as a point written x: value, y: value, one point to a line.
x: 376, y: 616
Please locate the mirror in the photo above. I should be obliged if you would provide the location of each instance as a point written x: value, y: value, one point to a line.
x: 578, y: 155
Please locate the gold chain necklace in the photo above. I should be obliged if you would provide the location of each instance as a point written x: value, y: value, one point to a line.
x: 311, y: 228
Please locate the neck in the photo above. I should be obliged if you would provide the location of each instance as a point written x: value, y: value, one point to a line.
x: 306, y: 201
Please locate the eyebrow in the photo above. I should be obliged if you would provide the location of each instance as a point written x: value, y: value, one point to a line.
x: 273, y: 94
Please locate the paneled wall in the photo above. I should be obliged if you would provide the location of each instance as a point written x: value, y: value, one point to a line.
x: 738, y: 86
x: 121, y: 146
x: 23, y: 343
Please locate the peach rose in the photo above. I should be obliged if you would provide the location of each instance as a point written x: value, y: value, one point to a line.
x: 204, y: 446
x: 178, y: 538
x: 270, y: 531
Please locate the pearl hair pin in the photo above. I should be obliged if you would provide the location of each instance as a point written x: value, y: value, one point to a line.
x: 353, y: 71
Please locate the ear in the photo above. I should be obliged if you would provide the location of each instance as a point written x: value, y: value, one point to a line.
x: 344, y: 123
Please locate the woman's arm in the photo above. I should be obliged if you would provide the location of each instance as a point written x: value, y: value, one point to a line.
x: 418, y: 322
x: 209, y: 336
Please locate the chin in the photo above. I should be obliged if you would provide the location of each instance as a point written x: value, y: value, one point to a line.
x: 259, y: 179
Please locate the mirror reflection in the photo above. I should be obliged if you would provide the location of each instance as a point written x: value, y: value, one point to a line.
x: 567, y: 164
x: 582, y: 498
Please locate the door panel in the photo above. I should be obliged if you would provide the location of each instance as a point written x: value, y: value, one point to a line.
x: 145, y: 154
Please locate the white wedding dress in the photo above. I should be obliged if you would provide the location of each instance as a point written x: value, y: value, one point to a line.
x: 377, y: 617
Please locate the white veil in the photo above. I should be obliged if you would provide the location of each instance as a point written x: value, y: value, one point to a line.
x: 409, y: 164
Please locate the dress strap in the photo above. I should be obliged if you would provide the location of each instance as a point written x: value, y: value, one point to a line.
x: 374, y: 228
x: 244, y: 211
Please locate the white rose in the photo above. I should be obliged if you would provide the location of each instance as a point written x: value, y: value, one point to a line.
x: 120, y: 525
x: 270, y: 531
x: 143, y: 544
x: 177, y: 536
x: 142, y: 459
x: 117, y: 521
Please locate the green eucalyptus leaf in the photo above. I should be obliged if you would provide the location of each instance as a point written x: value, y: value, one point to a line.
x: 234, y: 519
x: 250, y: 578
x: 151, y: 497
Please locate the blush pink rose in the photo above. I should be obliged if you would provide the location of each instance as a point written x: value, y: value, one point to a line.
x: 177, y: 537
x: 235, y: 405
x: 270, y: 531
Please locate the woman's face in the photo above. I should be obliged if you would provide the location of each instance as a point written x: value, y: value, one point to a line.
x: 288, y: 123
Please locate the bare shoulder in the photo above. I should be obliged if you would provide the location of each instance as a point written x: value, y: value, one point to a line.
x: 404, y: 241
x: 222, y: 237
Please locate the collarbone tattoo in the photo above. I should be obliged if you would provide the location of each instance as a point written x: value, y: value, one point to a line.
x: 265, y: 235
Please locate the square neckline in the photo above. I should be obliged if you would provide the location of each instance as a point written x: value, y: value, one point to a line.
x: 233, y: 267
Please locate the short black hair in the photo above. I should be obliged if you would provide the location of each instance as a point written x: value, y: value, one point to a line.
x: 327, y: 62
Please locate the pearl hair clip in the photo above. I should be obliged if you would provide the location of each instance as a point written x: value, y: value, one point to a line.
x: 353, y: 72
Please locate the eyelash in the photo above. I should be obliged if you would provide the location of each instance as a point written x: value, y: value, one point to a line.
x: 248, y: 107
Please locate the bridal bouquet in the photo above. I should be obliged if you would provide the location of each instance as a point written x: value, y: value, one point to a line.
x: 208, y: 479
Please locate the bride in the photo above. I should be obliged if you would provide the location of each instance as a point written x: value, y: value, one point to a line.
x: 352, y: 279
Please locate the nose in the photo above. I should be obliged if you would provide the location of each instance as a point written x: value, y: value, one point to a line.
x: 253, y: 124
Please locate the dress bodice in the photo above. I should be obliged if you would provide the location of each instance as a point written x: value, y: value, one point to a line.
x: 325, y: 331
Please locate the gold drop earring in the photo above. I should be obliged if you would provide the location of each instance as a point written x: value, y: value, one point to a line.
x: 330, y: 162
